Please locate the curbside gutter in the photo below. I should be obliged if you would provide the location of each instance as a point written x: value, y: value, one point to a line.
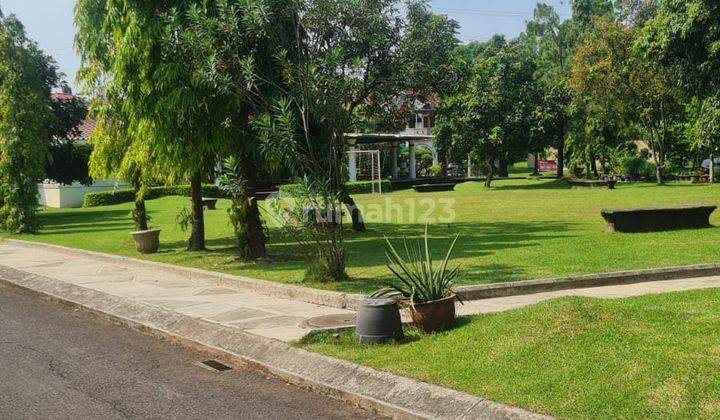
x: 352, y: 301
x: 382, y: 393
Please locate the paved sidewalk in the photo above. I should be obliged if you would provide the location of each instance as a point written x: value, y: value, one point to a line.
x: 606, y: 292
x: 251, y: 312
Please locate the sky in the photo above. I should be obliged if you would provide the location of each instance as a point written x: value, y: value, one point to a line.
x: 50, y: 22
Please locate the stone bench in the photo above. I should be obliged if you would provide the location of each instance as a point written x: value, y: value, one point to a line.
x: 210, y: 203
x: 578, y: 183
x: 434, y: 187
x: 656, y: 219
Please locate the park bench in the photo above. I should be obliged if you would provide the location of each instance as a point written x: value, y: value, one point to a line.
x: 655, y: 219
x: 434, y: 187
x: 581, y: 183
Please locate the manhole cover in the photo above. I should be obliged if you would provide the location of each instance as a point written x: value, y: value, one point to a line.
x: 331, y: 321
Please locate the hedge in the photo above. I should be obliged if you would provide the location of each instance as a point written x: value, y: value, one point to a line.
x: 109, y: 198
x: 360, y: 187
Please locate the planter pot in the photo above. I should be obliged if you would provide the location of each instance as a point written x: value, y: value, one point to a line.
x: 147, y: 241
x: 378, y: 321
x: 433, y: 316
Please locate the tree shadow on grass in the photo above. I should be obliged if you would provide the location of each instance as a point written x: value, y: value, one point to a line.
x: 556, y: 184
x: 85, y: 222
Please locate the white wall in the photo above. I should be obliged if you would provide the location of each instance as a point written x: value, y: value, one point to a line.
x: 72, y: 196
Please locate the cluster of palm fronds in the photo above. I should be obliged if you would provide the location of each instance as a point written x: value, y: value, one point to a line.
x: 420, y: 280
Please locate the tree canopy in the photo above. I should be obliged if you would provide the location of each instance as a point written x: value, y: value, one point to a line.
x: 27, y: 76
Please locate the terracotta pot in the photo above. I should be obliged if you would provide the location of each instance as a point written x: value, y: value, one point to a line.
x: 147, y: 241
x: 433, y: 316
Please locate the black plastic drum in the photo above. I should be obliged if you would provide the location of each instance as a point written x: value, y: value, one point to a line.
x: 378, y: 320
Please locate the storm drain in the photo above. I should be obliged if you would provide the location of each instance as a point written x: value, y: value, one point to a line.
x: 214, y: 366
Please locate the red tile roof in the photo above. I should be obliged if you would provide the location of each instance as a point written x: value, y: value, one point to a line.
x: 85, y: 130
x: 60, y: 96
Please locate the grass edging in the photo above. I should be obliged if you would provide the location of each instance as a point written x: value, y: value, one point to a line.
x: 379, y: 392
x: 527, y: 287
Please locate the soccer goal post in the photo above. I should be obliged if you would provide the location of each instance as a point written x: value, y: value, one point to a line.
x: 364, y: 165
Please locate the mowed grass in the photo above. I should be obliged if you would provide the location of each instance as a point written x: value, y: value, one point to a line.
x: 517, y: 230
x: 647, y: 357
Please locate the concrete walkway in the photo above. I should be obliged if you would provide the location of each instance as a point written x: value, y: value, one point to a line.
x: 253, y: 312
x: 603, y: 292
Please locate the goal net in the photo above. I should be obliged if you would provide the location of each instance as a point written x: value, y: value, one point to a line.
x: 364, y: 165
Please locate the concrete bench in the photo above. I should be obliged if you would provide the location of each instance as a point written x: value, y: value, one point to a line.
x: 656, y: 219
x: 579, y: 183
x: 434, y: 187
x: 210, y: 203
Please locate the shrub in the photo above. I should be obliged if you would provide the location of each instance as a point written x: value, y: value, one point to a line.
x: 419, y: 279
x: 109, y: 198
x: 359, y: 187
x: 435, y: 170
x: 68, y: 163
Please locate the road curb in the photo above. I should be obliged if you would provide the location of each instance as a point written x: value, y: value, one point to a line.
x: 380, y: 392
x: 352, y: 301
x: 529, y: 287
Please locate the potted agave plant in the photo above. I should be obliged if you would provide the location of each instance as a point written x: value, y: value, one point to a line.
x: 426, y: 288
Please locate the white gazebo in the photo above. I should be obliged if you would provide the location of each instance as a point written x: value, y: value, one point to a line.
x: 394, y: 140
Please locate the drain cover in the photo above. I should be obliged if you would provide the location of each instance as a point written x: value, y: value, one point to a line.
x: 214, y: 365
x: 331, y: 321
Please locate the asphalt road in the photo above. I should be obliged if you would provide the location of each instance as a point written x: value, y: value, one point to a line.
x: 59, y: 363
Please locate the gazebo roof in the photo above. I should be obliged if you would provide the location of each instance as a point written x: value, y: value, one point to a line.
x: 373, y: 138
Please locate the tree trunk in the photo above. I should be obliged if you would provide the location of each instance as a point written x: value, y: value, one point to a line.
x: 561, y: 158
x: 197, y: 230
x: 593, y: 166
x: 141, y: 222
x: 139, y: 214
x: 503, y: 170
x: 490, y: 172
x: 536, y: 171
x: 358, y: 224
x: 256, y: 237
x: 712, y: 169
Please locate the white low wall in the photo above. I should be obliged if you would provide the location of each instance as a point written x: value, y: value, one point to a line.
x: 72, y: 196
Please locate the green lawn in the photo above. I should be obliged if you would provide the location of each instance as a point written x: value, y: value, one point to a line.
x: 647, y: 357
x: 517, y: 230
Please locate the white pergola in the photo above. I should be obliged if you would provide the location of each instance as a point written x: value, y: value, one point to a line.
x: 394, y: 140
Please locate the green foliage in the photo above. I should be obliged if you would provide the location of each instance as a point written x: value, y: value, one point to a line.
x: 69, y: 162
x: 491, y: 114
x: 314, y: 221
x: 68, y: 114
x: 684, y: 35
x: 352, y: 188
x: 420, y: 280
x: 435, y: 170
x: 109, y: 198
x: 638, y: 168
x: 26, y: 77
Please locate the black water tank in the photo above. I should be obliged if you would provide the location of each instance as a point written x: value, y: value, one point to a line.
x: 378, y: 320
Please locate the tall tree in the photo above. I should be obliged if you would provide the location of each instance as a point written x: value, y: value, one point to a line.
x: 611, y: 71
x: 494, y: 109
x: 131, y: 50
x: 26, y: 77
x: 554, y: 42
x: 684, y: 34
